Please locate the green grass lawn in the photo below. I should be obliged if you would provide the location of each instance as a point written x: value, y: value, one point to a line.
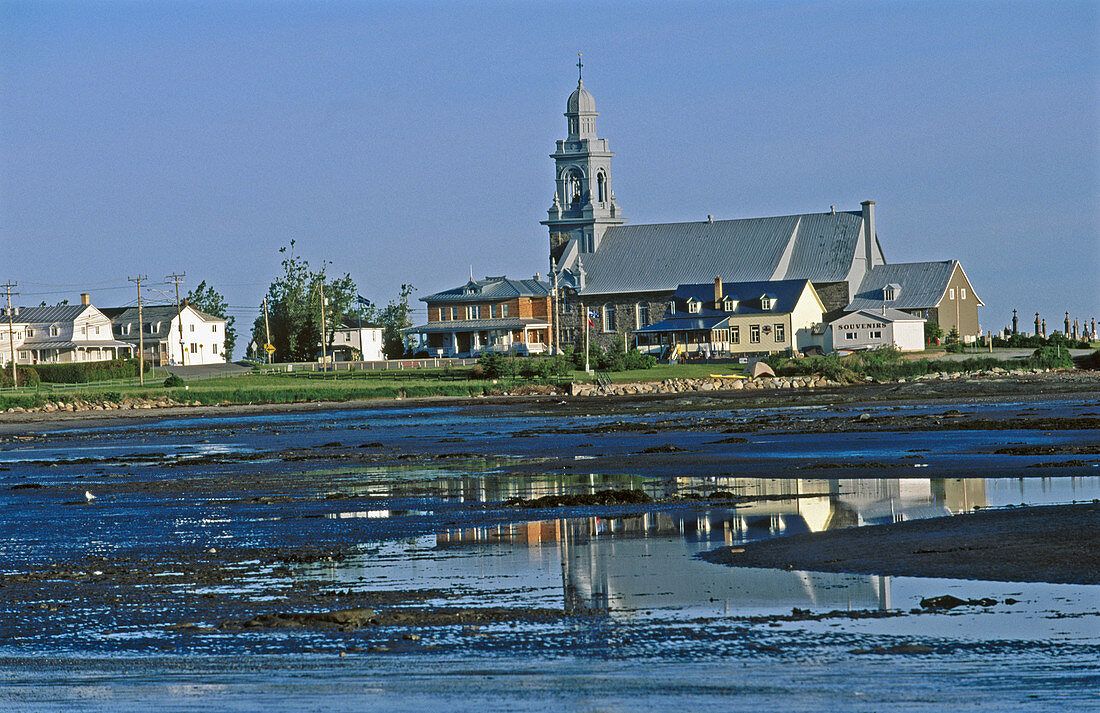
x: 284, y: 388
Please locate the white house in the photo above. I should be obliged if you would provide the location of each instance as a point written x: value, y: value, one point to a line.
x: 874, y: 328
x: 357, y: 343
x: 59, y: 334
x: 200, y: 340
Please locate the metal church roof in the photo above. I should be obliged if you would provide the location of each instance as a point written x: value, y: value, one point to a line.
x: 640, y: 258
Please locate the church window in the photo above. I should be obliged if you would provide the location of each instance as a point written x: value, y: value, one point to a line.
x: 609, y: 318
x: 573, y: 195
x: 601, y: 187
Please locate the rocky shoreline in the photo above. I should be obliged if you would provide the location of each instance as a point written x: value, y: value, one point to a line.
x: 123, y: 404
x: 718, y: 383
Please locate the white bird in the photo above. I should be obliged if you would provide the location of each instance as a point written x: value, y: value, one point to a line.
x: 88, y: 496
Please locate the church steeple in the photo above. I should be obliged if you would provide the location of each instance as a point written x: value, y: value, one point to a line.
x: 584, y: 203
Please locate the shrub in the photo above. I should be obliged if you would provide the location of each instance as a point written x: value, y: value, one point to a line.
x: 173, y: 380
x: 27, y: 376
x: 1050, y: 357
x: 89, y: 371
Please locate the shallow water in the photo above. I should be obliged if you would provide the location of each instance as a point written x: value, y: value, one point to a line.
x: 662, y: 627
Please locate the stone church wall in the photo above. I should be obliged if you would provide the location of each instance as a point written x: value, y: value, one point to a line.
x: 625, y: 322
x: 834, y: 295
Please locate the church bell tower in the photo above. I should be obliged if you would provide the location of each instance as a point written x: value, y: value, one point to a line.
x: 584, y: 201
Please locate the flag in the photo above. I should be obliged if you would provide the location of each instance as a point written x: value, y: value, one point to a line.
x: 363, y: 301
x: 592, y: 317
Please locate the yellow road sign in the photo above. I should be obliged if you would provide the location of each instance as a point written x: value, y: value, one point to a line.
x: 269, y: 348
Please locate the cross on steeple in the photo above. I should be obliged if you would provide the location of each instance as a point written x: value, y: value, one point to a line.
x: 579, y: 66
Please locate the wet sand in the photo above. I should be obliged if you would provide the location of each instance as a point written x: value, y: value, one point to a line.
x: 1057, y: 544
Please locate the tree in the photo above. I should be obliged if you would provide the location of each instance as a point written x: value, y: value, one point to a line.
x: 294, y: 308
x: 932, y: 332
x: 206, y: 299
x: 394, y: 317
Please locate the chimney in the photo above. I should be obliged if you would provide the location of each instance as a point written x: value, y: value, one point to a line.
x: 717, y: 291
x: 85, y: 299
x: 868, y: 230
x: 710, y: 218
x: 832, y: 210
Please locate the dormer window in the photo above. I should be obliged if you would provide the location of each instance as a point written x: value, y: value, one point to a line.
x: 694, y: 306
x: 890, y: 292
x: 729, y: 305
x: 55, y: 331
x: 767, y: 302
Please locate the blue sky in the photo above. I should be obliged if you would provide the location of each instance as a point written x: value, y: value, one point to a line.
x: 408, y: 141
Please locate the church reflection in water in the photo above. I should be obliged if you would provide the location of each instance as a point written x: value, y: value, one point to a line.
x: 644, y: 561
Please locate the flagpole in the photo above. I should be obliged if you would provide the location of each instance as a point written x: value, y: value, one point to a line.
x: 587, y: 319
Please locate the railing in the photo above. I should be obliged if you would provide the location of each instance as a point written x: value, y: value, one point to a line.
x: 347, y: 366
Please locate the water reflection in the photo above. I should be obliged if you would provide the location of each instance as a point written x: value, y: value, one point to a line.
x: 641, y: 564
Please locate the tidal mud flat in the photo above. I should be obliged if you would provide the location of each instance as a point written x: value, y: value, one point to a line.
x: 401, y: 556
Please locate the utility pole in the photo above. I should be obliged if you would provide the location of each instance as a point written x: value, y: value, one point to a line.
x: 555, y: 305
x: 176, y: 280
x: 141, y: 331
x: 267, y: 328
x: 11, y: 333
x: 324, y: 353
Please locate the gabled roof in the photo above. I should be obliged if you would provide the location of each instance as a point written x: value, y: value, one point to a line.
x: 784, y: 292
x: 51, y: 314
x: 639, y: 258
x: 491, y: 288
x: 152, y: 314
x: 923, y: 285
x: 878, y: 315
